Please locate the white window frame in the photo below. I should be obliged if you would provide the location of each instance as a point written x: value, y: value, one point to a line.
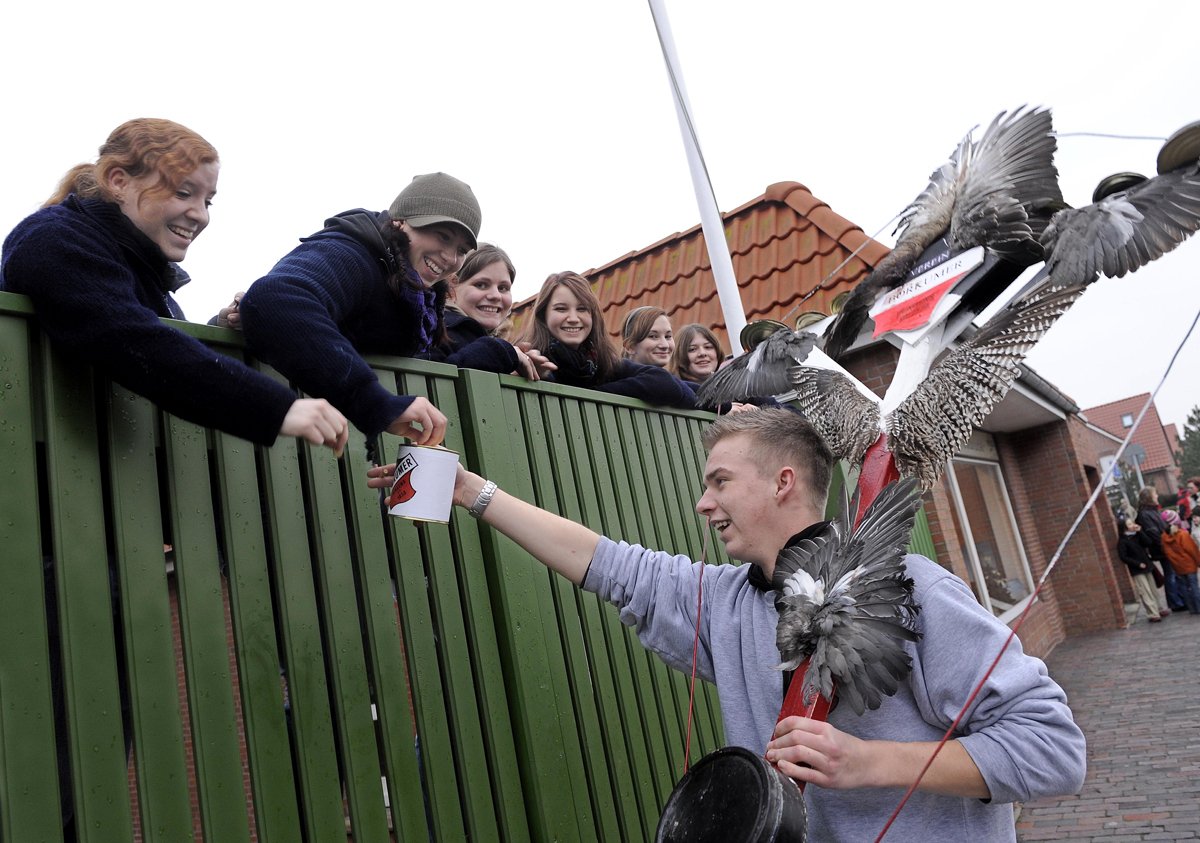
x: 973, y: 563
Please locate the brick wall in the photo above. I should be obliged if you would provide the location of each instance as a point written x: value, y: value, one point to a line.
x: 1047, y: 478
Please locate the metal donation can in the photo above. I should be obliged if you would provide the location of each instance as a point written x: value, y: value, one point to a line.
x: 424, y: 486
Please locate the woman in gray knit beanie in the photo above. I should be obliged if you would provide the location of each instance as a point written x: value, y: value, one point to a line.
x: 372, y: 282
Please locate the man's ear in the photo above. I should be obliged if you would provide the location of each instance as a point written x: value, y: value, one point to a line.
x: 785, y: 482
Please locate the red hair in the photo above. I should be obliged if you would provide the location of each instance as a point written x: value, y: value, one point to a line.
x: 139, y: 147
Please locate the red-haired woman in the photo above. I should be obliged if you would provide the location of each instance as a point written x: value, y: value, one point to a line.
x: 100, y: 261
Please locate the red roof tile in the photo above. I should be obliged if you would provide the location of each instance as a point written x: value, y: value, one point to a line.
x: 784, y: 244
x: 1151, y: 435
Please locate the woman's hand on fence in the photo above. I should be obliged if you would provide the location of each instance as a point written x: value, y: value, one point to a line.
x: 540, y: 361
x: 317, y: 421
x: 525, y: 366
x: 422, y: 422
x: 231, y: 315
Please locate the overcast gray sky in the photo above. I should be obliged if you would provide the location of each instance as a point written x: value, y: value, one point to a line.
x: 560, y: 117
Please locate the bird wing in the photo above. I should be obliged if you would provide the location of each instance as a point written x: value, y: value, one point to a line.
x: 846, y: 419
x: 936, y: 420
x: 1007, y: 179
x: 1125, y: 231
x: 991, y: 192
x: 855, y: 637
x: 762, y: 372
x: 1114, y: 236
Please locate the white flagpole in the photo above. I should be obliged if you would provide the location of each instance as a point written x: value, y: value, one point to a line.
x: 710, y: 217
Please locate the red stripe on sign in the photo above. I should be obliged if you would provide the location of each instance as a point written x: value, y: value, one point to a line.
x: 915, y: 312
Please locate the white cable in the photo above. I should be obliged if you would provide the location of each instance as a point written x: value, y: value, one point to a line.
x: 1116, y: 458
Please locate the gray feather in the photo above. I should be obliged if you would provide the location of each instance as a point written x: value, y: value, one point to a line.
x: 845, y: 602
x: 1125, y: 231
x: 994, y: 193
x: 846, y: 419
x: 759, y: 373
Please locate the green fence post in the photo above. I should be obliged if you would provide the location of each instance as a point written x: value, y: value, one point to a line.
x: 29, y: 796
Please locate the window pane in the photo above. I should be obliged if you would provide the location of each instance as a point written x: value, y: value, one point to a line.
x: 994, y: 534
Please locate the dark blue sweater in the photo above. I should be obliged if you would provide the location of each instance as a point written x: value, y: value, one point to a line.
x: 651, y: 384
x: 328, y: 301
x: 99, y: 286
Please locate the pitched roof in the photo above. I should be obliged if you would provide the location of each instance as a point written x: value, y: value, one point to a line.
x: 1172, y: 434
x: 1151, y: 435
x: 784, y: 244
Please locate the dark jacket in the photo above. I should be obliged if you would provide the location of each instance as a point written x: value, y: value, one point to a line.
x: 328, y: 302
x: 1133, y: 552
x: 651, y: 384
x: 101, y: 288
x: 1153, y: 526
x: 467, y: 345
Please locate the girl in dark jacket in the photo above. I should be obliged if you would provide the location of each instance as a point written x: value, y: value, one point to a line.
x: 1131, y: 548
x: 100, y: 261
x: 568, y: 327
x: 479, y: 305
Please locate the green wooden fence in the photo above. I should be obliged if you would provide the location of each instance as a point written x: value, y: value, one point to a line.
x: 309, y: 668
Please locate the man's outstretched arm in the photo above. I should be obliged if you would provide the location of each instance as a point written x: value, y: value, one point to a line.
x: 561, y: 545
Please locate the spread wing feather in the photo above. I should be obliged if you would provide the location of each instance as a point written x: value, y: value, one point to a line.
x: 995, y: 192
x: 1125, y: 231
x: 846, y: 419
x: 845, y: 602
x: 761, y: 372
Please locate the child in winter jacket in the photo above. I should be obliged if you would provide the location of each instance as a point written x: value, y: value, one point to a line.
x: 1184, y: 557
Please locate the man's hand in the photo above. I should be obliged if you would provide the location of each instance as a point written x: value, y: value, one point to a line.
x: 813, y: 751
x: 422, y: 422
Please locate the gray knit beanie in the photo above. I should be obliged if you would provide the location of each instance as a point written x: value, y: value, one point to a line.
x: 438, y: 197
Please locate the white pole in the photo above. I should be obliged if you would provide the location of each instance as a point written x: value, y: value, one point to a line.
x: 710, y: 217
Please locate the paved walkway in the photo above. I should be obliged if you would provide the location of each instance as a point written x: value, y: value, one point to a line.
x: 1136, y: 695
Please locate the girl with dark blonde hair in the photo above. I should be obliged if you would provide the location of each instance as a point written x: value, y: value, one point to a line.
x: 647, y: 337
x: 568, y: 327
x: 697, y: 354
x: 100, y: 262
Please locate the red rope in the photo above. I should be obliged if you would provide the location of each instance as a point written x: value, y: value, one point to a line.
x: 963, y: 711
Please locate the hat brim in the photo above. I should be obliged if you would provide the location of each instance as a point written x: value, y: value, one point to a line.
x: 423, y: 220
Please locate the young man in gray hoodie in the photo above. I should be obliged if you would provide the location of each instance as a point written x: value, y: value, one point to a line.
x: 765, y: 484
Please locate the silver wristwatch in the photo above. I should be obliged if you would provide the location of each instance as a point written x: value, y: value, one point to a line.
x: 485, y: 497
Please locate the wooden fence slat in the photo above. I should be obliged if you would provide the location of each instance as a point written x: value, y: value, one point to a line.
x: 206, y: 654
x: 419, y: 619
x: 29, y: 793
x: 311, y: 723
x: 573, y: 478
x: 276, y: 812
x: 164, y: 803
x: 343, y: 644
x: 89, y: 655
x: 386, y: 648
